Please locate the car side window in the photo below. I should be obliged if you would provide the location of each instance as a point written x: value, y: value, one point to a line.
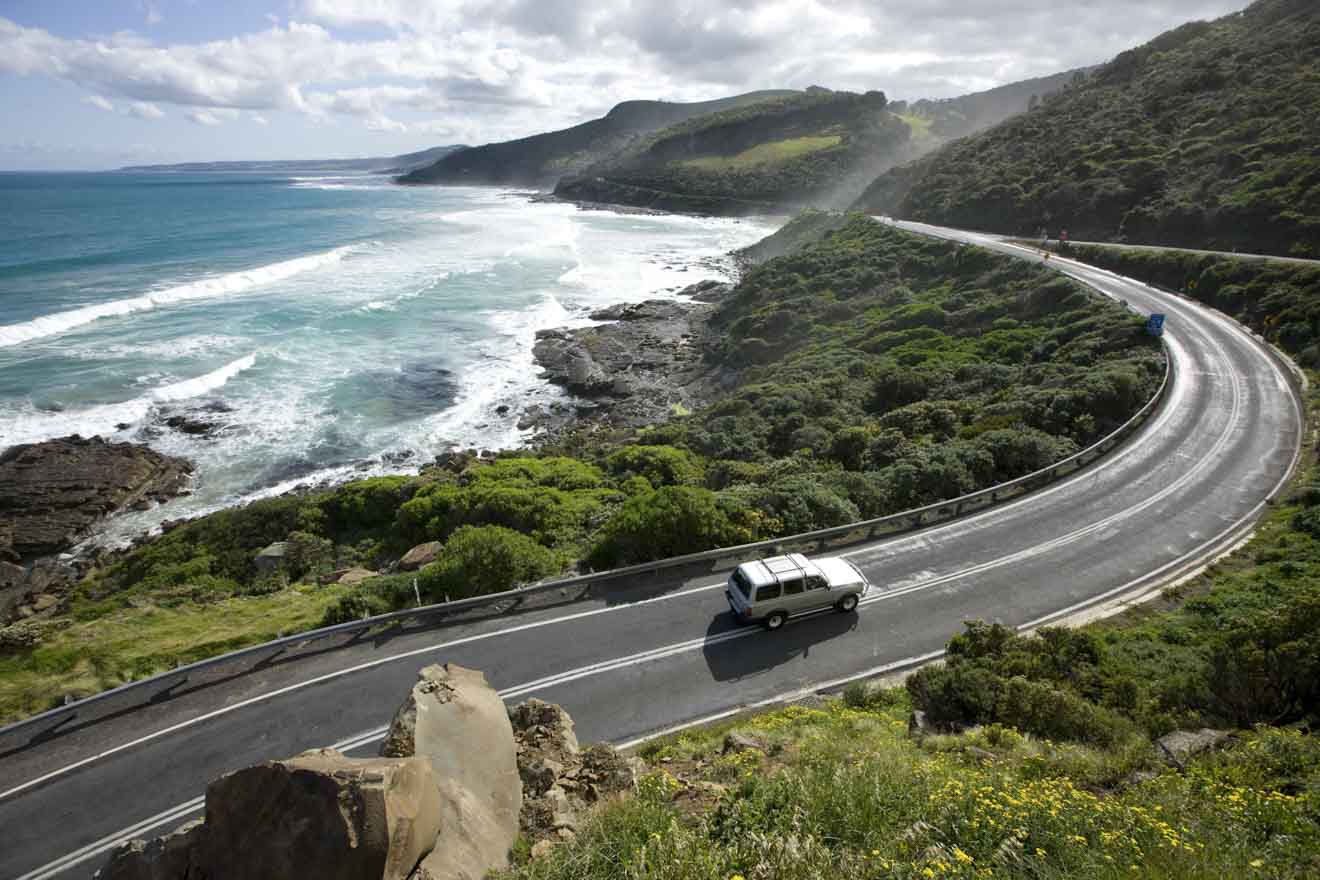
x: 816, y: 582
x: 770, y: 591
x: 792, y: 586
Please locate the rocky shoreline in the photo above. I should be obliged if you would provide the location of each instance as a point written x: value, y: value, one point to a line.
x: 641, y: 366
x: 53, y: 494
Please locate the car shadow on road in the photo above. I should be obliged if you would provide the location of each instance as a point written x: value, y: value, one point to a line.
x: 730, y: 659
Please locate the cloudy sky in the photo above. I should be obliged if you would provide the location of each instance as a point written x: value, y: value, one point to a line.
x: 102, y: 83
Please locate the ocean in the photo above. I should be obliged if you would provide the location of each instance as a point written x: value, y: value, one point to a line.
x: 333, y: 326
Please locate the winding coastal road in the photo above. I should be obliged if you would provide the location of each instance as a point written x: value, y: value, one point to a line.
x: 1187, y: 485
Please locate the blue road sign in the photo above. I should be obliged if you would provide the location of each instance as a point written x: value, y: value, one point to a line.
x: 1155, y: 325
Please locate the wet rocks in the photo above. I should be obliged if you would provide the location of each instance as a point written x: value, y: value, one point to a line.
x: 53, y: 492
x: 637, y: 370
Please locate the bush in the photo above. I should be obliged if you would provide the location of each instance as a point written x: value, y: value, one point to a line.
x: 668, y: 522
x: 1265, y: 663
x: 660, y: 465
x: 485, y: 559
x: 955, y: 693
x: 1035, y: 707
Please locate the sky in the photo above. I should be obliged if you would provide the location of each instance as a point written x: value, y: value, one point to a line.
x: 89, y: 84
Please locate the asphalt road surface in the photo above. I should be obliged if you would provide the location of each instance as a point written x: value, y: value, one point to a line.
x: 1188, y: 484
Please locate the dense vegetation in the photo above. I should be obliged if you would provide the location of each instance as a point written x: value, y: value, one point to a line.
x: 540, y: 160
x: 869, y: 371
x: 948, y: 118
x: 817, y: 147
x: 1058, y: 776
x: 1276, y: 299
x: 1207, y: 136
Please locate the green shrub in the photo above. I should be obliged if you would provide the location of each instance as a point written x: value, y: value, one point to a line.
x: 485, y: 559
x: 660, y: 465
x: 955, y: 693
x: 668, y: 522
x: 1037, y: 708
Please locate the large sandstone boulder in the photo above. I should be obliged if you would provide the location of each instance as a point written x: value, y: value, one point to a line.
x: 458, y: 723
x: 319, y: 815
x: 422, y: 554
x: 53, y: 492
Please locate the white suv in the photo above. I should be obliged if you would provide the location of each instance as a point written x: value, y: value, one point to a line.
x: 769, y: 590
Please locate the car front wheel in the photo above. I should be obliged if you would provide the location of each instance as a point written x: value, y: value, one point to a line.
x: 847, y: 604
x: 776, y: 620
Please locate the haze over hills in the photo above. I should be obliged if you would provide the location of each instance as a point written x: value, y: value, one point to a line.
x: 540, y: 160
x: 762, y: 151
x: 1206, y: 136
x: 380, y: 164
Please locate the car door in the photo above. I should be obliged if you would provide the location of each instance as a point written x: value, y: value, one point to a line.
x: 817, y: 592
x: 795, y: 588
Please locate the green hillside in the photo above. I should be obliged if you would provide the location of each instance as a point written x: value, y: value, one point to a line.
x: 1206, y: 136
x: 540, y: 160
x: 943, y: 120
x: 816, y: 147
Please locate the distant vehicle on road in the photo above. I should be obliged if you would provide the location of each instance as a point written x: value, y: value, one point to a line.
x: 770, y: 590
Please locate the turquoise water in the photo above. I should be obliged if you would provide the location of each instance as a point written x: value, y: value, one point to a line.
x: 332, y: 326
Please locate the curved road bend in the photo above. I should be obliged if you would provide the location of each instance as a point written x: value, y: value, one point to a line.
x: 1202, y: 466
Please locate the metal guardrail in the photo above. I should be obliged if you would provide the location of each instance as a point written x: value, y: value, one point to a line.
x: 160, y: 687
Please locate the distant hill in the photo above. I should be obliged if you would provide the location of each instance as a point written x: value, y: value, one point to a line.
x: 379, y: 165
x: 799, y: 149
x: 948, y: 118
x: 1208, y: 135
x: 541, y: 160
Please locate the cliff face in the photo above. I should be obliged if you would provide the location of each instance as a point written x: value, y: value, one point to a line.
x: 541, y: 160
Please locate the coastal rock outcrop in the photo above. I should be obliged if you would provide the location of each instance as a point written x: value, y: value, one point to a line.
x: 53, y: 492
x: 638, y: 369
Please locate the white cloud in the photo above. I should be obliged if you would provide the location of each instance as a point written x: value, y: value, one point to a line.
x: 144, y: 110
x: 98, y: 101
x: 258, y: 119
x: 492, y: 69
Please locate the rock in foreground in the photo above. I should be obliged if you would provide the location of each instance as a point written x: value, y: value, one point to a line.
x: 561, y: 783
x: 53, y: 492
x: 317, y: 815
x: 456, y: 722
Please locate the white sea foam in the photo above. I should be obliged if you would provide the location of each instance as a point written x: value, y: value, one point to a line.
x: 30, y: 425
x: 222, y: 285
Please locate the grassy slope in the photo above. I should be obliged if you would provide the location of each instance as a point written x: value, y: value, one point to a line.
x: 1207, y: 136
x: 540, y: 160
x: 874, y: 371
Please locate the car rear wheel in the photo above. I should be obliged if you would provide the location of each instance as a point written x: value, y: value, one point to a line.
x: 775, y: 620
x: 847, y: 604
